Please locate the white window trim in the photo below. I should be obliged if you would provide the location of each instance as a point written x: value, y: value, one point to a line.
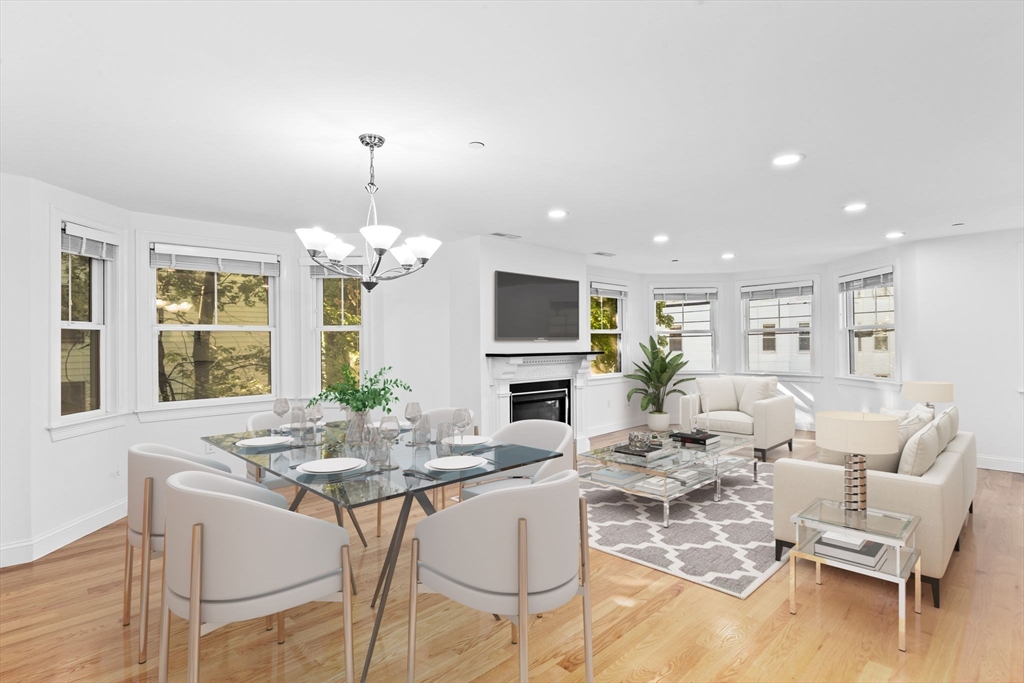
x: 622, y: 331
x: 716, y: 345
x: 843, y: 371
x: 112, y: 390
x: 816, y: 330
x: 148, y: 406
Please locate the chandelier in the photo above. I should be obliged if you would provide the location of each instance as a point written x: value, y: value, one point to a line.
x: 329, y: 251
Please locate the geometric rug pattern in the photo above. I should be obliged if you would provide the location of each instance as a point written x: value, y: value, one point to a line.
x: 728, y: 546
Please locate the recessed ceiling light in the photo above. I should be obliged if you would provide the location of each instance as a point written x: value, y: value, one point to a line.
x: 476, y: 145
x: 855, y: 207
x: 728, y: 256
x: 557, y: 213
x: 788, y: 159
x: 661, y: 238
x: 895, y: 235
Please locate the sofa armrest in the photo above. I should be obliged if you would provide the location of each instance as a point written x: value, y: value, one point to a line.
x: 774, y: 421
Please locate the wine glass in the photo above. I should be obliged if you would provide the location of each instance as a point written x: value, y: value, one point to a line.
x: 461, y: 419
x: 445, y: 430
x: 389, y: 430
x: 281, y: 408
x: 314, y: 414
x: 421, y: 432
x: 413, y: 413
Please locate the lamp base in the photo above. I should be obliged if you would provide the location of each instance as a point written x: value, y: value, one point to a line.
x: 855, y: 497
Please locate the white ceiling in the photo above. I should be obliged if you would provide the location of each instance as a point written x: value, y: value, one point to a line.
x: 638, y: 118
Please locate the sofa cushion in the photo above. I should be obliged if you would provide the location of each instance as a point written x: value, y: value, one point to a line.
x: 954, y: 414
x: 900, y: 415
x: 909, y: 427
x: 717, y: 394
x: 755, y: 390
x: 921, y: 450
x: 922, y: 409
x: 944, y: 426
x: 730, y: 421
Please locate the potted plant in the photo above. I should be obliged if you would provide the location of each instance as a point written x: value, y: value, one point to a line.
x: 656, y: 375
x: 374, y: 391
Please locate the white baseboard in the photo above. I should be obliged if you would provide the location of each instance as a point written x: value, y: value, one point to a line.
x: 995, y: 462
x: 21, y: 552
x: 607, y: 427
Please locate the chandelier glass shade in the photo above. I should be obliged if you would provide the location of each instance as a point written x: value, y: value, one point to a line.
x: 330, y: 251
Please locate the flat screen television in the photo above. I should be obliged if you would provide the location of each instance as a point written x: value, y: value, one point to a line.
x: 527, y: 307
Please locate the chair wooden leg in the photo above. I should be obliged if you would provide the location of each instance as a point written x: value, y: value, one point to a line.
x: 147, y: 556
x: 280, y: 628
x: 346, y: 593
x: 444, y: 497
x: 515, y: 634
x: 195, y: 595
x: 524, y: 607
x: 588, y: 635
x: 380, y: 515
x: 270, y: 622
x: 165, y: 636
x: 129, y: 557
x: 410, y: 675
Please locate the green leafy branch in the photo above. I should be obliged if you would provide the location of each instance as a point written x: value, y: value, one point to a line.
x: 374, y: 391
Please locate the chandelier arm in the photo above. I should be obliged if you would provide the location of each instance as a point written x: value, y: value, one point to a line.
x: 399, y: 272
x: 338, y: 268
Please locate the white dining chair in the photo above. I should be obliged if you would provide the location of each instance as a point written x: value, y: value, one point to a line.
x: 269, y: 420
x: 219, y: 568
x: 529, y: 554
x: 149, y: 465
x: 438, y: 416
x: 545, y: 434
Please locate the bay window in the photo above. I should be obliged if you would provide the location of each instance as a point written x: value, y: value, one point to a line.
x: 607, y: 313
x: 867, y: 304
x: 777, y: 327
x: 685, y: 322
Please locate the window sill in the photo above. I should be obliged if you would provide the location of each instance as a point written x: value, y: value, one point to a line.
x: 70, y: 430
x: 790, y: 377
x: 878, y: 383
x: 186, y: 412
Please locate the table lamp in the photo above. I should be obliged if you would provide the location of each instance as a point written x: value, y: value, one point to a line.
x: 857, y: 435
x: 928, y: 393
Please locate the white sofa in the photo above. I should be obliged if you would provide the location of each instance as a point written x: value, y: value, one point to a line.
x: 748, y: 406
x: 942, y: 497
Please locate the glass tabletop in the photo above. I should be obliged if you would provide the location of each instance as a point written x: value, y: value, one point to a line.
x: 672, y: 456
x: 831, y: 513
x: 369, y: 484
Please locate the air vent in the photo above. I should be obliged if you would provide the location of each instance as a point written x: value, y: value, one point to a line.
x: 505, y: 235
x: 602, y: 253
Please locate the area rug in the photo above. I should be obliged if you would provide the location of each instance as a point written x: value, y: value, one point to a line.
x: 728, y: 546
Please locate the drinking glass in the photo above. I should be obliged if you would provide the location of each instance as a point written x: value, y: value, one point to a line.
x: 413, y: 413
x: 461, y: 420
x: 389, y: 431
x: 281, y: 408
x: 314, y: 414
x: 421, y: 432
x: 297, y: 423
x: 445, y: 430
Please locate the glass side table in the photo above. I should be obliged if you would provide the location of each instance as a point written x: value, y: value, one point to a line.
x: 894, y: 530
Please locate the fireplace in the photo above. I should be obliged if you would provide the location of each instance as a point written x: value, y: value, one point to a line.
x: 541, y: 401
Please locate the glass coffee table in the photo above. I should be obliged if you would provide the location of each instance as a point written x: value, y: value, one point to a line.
x: 671, y: 472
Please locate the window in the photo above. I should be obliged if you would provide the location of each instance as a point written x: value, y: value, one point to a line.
x: 607, y: 308
x: 214, y: 323
x: 778, y: 326
x: 83, y: 319
x: 684, y: 319
x: 339, y: 319
x: 868, y: 304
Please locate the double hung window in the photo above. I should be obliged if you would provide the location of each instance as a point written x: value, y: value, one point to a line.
x: 607, y: 312
x: 338, y: 316
x: 867, y: 302
x: 214, y: 322
x: 777, y: 327
x: 86, y: 262
x: 685, y: 322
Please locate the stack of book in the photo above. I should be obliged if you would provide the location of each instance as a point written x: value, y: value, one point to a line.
x: 616, y: 476
x: 700, y: 441
x: 659, y: 486
x: 850, y: 549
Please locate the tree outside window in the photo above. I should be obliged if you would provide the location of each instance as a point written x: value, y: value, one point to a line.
x: 340, y: 328
x: 606, y: 334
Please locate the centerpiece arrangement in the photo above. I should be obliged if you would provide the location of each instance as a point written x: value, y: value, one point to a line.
x: 656, y: 375
x: 362, y: 396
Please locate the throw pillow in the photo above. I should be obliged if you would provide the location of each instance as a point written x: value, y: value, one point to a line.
x: 717, y: 393
x: 944, y: 426
x: 922, y: 409
x: 909, y: 427
x: 900, y: 415
x: 920, y: 452
x: 954, y: 414
x: 756, y: 390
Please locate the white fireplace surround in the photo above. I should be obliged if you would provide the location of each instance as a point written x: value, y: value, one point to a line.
x: 504, y: 371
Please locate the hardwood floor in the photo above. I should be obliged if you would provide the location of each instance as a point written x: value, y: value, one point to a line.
x: 60, y: 620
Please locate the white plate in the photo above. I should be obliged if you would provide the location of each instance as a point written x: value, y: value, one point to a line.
x: 264, y: 441
x: 456, y: 462
x: 468, y: 440
x: 331, y: 465
x: 296, y: 427
x: 403, y: 425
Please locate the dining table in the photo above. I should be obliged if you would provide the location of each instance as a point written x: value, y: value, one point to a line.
x: 413, y: 476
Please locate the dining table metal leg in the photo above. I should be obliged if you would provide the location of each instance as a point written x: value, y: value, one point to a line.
x: 298, y: 499
x: 355, y: 523
x: 391, y: 562
x: 406, y: 506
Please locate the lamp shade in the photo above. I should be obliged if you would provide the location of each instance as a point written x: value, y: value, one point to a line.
x: 380, y: 237
x: 859, y: 433
x: 928, y: 392
x: 337, y: 250
x: 314, y: 239
x: 424, y: 247
x: 403, y: 254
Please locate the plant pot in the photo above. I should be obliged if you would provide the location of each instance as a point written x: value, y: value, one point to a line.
x: 657, y: 422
